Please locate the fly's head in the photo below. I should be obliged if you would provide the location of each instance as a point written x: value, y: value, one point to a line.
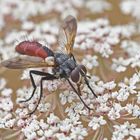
x: 78, y: 73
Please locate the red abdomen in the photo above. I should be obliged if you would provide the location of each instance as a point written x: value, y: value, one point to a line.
x: 33, y: 48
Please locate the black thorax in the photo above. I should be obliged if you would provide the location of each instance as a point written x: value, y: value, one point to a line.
x: 65, y: 65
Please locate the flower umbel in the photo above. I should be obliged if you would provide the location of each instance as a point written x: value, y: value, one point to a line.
x: 107, y: 43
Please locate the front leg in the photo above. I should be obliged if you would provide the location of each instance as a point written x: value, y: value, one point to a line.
x: 87, y: 83
x: 48, y: 77
x: 40, y: 73
x: 79, y: 90
x: 78, y: 94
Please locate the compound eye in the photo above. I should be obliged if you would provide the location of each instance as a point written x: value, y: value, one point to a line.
x: 83, y: 68
x: 75, y: 76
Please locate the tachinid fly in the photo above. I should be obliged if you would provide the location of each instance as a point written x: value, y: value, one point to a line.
x: 64, y: 65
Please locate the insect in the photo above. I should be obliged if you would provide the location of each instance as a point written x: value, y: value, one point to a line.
x: 64, y: 65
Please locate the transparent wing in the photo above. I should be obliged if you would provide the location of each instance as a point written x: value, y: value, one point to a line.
x: 67, y: 33
x: 21, y: 62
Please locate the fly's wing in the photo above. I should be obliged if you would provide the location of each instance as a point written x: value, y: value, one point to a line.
x: 21, y: 62
x: 67, y: 33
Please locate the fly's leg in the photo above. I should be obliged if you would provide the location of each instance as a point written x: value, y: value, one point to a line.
x: 87, y: 83
x: 78, y: 94
x: 40, y: 73
x: 79, y: 90
x: 47, y: 77
x: 73, y: 58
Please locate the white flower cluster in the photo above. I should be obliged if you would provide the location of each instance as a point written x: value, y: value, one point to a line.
x: 126, y: 30
x: 112, y: 108
x: 6, y: 52
x: 40, y: 32
x: 6, y: 106
x: 52, y: 128
x: 120, y: 64
x: 67, y: 97
x: 100, y: 87
x: 131, y: 7
x: 98, y: 44
x: 52, y: 85
x: 98, y: 35
x: 55, y: 128
x: 2, y: 83
x: 133, y: 56
x: 25, y: 93
x: 114, y: 112
x: 125, y: 130
x: 97, y: 122
x: 133, y: 109
x: 33, y: 8
x: 90, y: 61
x: 98, y: 6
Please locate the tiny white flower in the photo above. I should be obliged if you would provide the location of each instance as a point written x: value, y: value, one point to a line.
x: 10, y: 123
x: 110, y: 85
x: 114, y: 94
x: 31, y: 106
x: 27, y: 25
x: 6, y: 104
x: 103, y: 108
x: 114, y: 112
x: 122, y: 95
x: 90, y: 61
x: 124, y: 130
x: 43, y: 125
x: 32, y: 135
x: 21, y: 123
x: 96, y: 122
x: 6, y: 92
x: 67, y: 96
x: 44, y: 107
x: 62, y: 136
x: 103, y: 99
x: 21, y: 112
x: 129, y: 108
x: 25, y: 74
x: 65, y: 125
x: 48, y: 133
x: 78, y: 132
x: 131, y: 7
x: 136, y: 111
x: 100, y: 6
x: 8, y: 116
x: 52, y: 85
x: 2, y: 83
x: 119, y: 65
x: 52, y: 119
